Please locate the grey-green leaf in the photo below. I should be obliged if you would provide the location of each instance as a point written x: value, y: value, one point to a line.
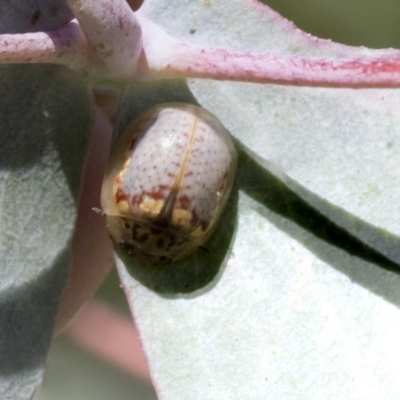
x: 44, y: 129
x: 304, y: 305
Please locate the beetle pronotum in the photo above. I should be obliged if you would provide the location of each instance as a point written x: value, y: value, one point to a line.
x: 167, y: 182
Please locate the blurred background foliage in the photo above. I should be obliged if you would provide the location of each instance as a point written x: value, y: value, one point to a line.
x: 73, y: 373
x: 370, y: 23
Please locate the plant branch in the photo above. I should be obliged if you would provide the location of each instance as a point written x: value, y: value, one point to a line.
x: 166, y: 57
x: 107, y: 44
x: 114, y: 35
x: 67, y: 46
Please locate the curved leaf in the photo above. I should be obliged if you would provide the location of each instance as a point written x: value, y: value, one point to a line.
x: 44, y: 132
x: 44, y: 126
x: 302, y: 306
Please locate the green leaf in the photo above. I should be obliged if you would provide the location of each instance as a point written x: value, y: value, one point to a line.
x: 302, y: 305
x: 45, y: 125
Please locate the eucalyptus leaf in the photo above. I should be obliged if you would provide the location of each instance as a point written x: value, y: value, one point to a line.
x: 45, y: 121
x: 305, y: 304
x: 45, y: 126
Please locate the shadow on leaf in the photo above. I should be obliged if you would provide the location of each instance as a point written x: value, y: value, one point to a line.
x: 266, y: 188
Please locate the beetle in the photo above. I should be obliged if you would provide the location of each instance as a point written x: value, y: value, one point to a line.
x: 167, y: 182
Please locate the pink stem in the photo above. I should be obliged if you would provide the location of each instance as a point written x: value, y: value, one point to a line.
x: 67, y: 45
x: 114, y: 34
x: 165, y: 57
x: 192, y: 61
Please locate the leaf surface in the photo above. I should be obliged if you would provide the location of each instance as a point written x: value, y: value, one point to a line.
x: 45, y: 123
x: 303, y: 305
